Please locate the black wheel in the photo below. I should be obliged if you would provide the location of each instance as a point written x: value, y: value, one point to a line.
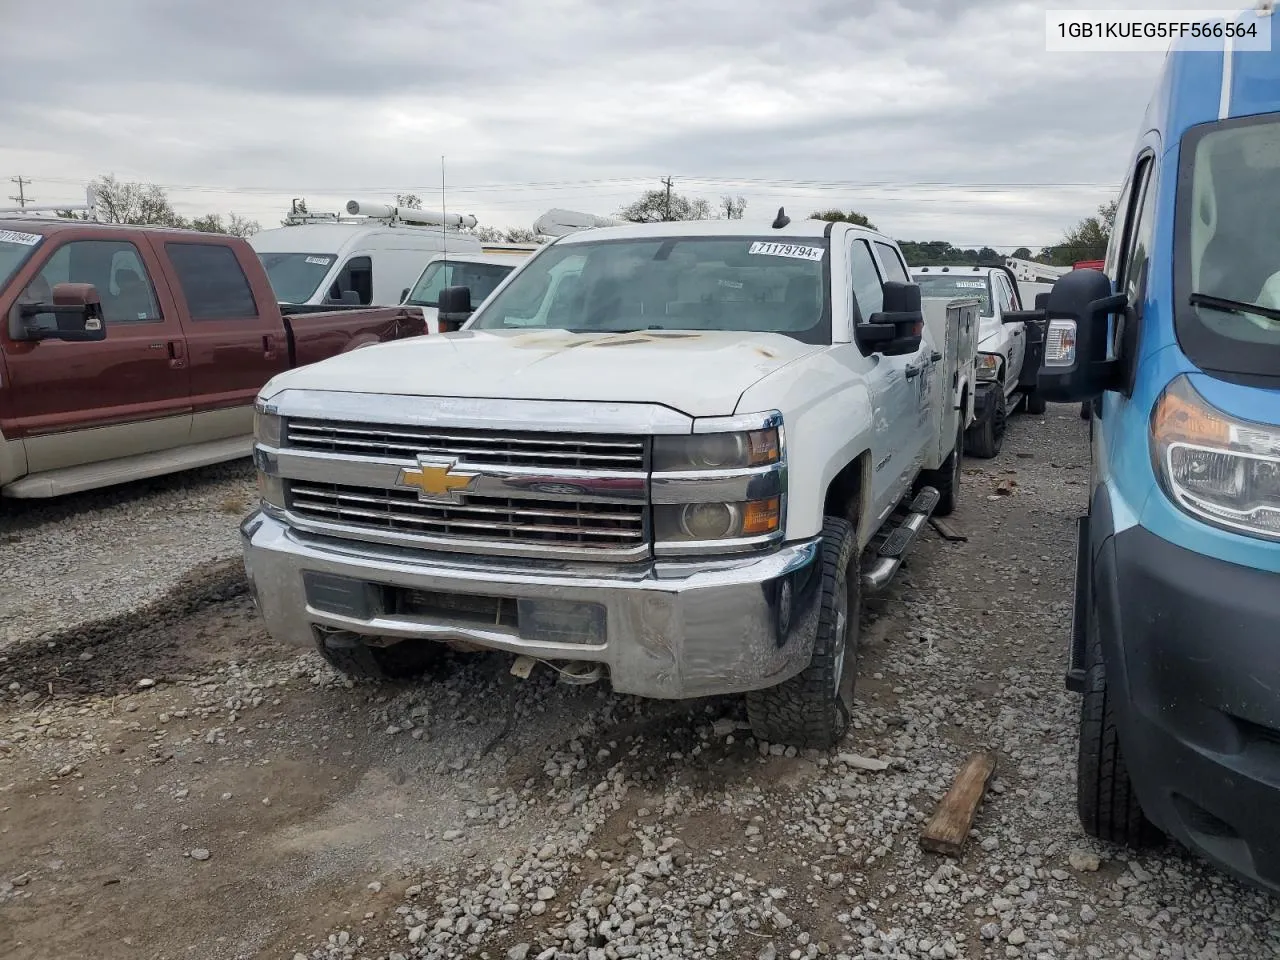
x: 985, y: 439
x: 400, y: 661
x: 946, y: 479
x: 1035, y: 403
x: 1105, y: 800
x: 812, y: 709
x: 1086, y: 411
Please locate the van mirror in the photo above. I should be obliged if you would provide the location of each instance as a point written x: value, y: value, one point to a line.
x: 74, y: 314
x: 897, y: 329
x: 1075, y: 366
x: 453, y: 308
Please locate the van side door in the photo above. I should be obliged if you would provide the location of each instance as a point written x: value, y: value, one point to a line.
x: 78, y: 403
x: 235, y: 336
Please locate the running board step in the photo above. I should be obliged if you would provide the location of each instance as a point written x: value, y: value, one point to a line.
x: 894, y: 549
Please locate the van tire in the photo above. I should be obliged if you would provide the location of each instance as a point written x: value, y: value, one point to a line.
x: 359, y: 661
x: 1035, y: 403
x: 1105, y: 800
x: 812, y: 710
x: 984, y: 440
x: 946, y: 479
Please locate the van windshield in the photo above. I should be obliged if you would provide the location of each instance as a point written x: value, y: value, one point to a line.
x: 670, y: 283
x: 480, y: 278
x: 954, y: 287
x: 296, y: 276
x: 15, y: 247
x: 1227, y: 305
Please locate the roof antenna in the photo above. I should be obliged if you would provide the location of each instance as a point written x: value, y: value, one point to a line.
x: 781, y: 220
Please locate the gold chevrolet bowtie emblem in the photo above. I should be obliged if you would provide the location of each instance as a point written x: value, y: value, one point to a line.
x: 437, y: 480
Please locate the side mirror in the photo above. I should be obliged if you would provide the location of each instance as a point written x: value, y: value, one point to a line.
x: 453, y: 308
x: 404, y: 294
x: 897, y: 329
x: 1042, y: 301
x: 76, y: 313
x: 1075, y: 366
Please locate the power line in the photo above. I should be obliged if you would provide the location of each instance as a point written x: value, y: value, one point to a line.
x: 22, y: 198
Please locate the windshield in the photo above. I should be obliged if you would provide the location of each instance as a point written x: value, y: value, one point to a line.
x: 1228, y: 247
x: 670, y: 283
x: 952, y: 287
x: 15, y: 247
x: 296, y: 276
x: 481, y: 278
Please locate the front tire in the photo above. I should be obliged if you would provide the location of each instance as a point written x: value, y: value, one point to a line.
x: 1105, y: 799
x: 1035, y: 403
x: 813, y: 708
x: 985, y: 439
x: 355, y: 659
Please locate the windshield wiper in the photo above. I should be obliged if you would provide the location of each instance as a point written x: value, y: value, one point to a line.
x: 1234, y: 306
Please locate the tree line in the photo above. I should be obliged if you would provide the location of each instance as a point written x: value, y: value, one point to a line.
x: 121, y: 201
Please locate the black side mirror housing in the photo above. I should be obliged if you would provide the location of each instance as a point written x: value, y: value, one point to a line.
x: 76, y: 311
x: 899, y: 326
x: 404, y: 294
x: 1075, y: 366
x: 453, y: 308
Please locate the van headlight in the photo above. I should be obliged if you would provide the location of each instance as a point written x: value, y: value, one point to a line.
x: 988, y: 366
x: 1221, y: 470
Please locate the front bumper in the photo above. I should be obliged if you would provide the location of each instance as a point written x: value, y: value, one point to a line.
x: 1194, y: 668
x: 671, y: 629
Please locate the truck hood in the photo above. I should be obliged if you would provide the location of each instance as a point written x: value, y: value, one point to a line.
x: 702, y: 374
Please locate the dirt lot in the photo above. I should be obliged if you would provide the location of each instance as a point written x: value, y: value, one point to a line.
x: 175, y: 785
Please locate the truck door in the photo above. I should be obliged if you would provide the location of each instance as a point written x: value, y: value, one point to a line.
x: 921, y: 369
x: 235, y: 339
x: 1007, y: 300
x: 80, y: 403
x: 894, y: 400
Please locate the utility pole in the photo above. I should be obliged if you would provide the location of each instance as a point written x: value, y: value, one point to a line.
x: 667, y: 215
x: 22, y: 198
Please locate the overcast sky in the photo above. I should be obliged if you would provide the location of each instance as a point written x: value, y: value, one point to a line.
x: 940, y: 119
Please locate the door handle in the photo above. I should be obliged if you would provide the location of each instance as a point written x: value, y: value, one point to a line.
x: 937, y: 355
x: 177, y: 354
x: 912, y: 371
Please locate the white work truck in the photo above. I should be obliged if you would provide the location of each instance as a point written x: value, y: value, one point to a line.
x: 675, y: 454
x: 1007, y: 359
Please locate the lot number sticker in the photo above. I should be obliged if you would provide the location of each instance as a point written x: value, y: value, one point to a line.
x: 26, y: 239
x: 972, y: 284
x: 794, y: 251
x: 319, y: 261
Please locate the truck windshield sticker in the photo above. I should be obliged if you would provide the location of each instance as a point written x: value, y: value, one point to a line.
x: 319, y: 261
x: 26, y: 239
x: 972, y: 284
x: 794, y: 251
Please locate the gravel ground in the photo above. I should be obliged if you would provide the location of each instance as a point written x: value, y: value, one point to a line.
x: 107, y: 552
x: 172, y: 783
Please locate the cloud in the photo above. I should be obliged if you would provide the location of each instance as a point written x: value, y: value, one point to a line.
x: 871, y: 104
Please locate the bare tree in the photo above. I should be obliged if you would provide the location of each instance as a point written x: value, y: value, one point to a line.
x: 733, y: 208
x: 410, y: 201
x: 134, y: 203
x: 658, y: 206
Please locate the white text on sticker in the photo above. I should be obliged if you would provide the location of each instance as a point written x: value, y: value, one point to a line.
x: 319, y: 261
x: 971, y: 284
x: 26, y: 239
x: 792, y: 250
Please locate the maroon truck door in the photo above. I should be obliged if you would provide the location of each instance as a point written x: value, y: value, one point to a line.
x: 79, y: 403
x: 235, y: 337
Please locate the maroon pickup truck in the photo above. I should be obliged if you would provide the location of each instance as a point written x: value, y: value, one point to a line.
x: 129, y: 352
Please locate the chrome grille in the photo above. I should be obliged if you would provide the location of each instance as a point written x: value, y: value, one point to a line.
x: 557, y: 525
x: 471, y: 447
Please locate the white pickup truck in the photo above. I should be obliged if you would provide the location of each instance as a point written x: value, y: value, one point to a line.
x: 656, y: 451
x: 1008, y: 359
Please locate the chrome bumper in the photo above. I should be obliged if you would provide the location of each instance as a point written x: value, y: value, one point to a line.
x: 672, y: 629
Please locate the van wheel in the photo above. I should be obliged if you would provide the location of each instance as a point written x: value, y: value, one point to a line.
x: 1105, y: 800
x: 813, y: 708
x: 946, y: 479
x: 1035, y: 403
x: 985, y: 439
x: 352, y: 658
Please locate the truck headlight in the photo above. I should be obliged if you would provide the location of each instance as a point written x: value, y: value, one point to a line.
x: 988, y: 366
x: 693, y: 522
x: 716, y: 451
x: 268, y: 428
x: 1221, y: 470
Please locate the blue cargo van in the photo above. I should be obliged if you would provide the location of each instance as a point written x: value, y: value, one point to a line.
x: 1175, y: 345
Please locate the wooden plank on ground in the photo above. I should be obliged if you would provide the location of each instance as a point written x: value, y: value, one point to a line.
x: 948, y: 532
x: 949, y: 826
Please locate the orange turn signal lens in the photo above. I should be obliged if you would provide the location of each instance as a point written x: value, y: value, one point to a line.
x: 761, y: 516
